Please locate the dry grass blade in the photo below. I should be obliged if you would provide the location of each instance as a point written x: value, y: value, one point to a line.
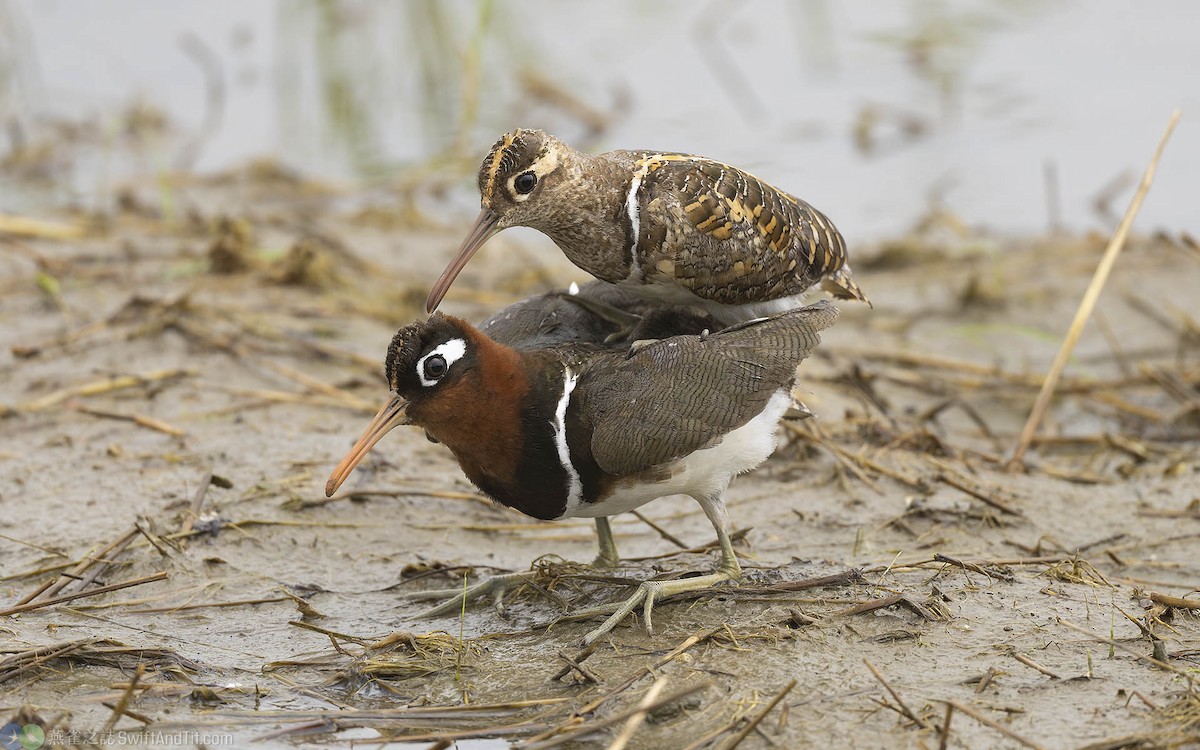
x: 54, y: 585
x: 904, y: 709
x: 1029, y: 662
x: 22, y: 662
x: 108, y: 385
x: 123, y: 704
x: 344, y: 636
x: 140, y: 420
x: 635, y: 721
x: 1174, y: 601
x: 995, y: 725
x: 407, y: 656
x: 1191, y: 680
x: 660, y: 530
x: 574, y: 664
x: 952, y: 477
x: 82, y: 594
x: 596, y: 726
x: 23, y: 226
x: 753, y: 723
x: 1087, y: 304
x: 688, y: 643
x: 96, y: 652
x: 872, y: 605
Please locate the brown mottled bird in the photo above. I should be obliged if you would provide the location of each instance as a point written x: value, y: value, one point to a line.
x: 576, y: 429
x: 674, y: 227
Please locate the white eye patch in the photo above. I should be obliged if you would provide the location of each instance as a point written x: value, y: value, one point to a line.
x: 451, y: 351
x: 545, y: 164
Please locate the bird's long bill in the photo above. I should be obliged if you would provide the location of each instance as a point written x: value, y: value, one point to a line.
x: 483, y: 228
x: 394, y: 413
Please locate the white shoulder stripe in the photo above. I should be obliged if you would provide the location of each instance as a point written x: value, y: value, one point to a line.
x: 631, y: 207
x: 574, y: 485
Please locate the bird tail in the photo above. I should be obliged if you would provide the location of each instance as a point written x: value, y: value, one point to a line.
x: 787, y: 336
x: 841, y: 285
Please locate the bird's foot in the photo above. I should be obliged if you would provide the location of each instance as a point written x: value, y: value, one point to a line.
x: 604, y: 560
x: 457, y: 599
x: 647, y: 593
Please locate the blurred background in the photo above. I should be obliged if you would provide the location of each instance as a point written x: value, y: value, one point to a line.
x: 1007, y: 116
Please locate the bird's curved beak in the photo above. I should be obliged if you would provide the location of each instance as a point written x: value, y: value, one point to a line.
x: 484, y: 227
x: 393, y: 414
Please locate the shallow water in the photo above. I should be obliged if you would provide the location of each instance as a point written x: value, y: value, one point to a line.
x: 972, y: 100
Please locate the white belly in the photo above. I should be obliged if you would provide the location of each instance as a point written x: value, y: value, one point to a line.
x: 704, y: 473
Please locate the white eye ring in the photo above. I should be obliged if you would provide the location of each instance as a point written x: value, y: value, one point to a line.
x: 451, y: 351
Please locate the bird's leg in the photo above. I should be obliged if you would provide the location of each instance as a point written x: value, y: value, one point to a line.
x: 497, y: 586
x: 727, y: 570
x: 607, y: 557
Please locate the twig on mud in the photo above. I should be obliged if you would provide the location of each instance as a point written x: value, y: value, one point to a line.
x: 1086, y: 305
x: 888, y: 601
x: 30, y: 606
x: 573, y: 663
x: 212, y: 605
x: 851, y: 576
x: 41, y: 547
x: 754, y: 722
x: 36, y: 657
x: 661, y: 531
x: 945, y: 732
x: 317, y: 726
x: 138, y: 419
x: 904, y: 709
x: 1174, y: 601
x: 871, y: 606
x: 687, y: 643
x: 434, y: 712
x: 264, y: 397
x: 1113, y: 642
x: 97, y: 387
x: 737, y: 536
x: 54, y: 585
x: 331, y: 633
x: 994, y: 725
x: 1003, y: 575
x: 24, y: 226
x: 240, y: 351
x: 1027, y: 661
x: 621, y: 740
x: 948, y: 475
x: 840, y: 454
x: 151, y: 538
x: 1192, y: 511
x: 986, y: 679
x: 123, y: 704
x: 561, y: 739
x: 135, y: 715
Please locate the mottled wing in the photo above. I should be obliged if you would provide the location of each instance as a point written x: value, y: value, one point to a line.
x: 681, y: 394
x: 728, y: 236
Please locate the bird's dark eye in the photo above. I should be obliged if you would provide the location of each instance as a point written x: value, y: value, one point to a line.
x: 435, y: 367
x: 525, y: 182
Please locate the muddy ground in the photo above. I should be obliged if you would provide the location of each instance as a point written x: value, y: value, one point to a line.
x: 238, y: 333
